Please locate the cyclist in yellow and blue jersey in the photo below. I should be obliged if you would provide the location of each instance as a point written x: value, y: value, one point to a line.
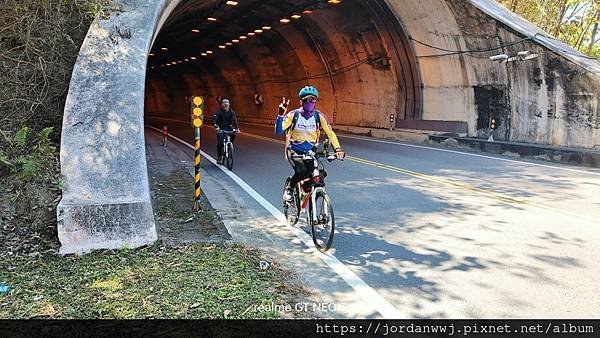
x: 302, y: 127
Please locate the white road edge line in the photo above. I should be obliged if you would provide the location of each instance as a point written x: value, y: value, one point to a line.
x: 470, y: 154
x: 368, y: 294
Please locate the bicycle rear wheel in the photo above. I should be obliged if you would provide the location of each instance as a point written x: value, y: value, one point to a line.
x: 229, y: 156
x: 322, y: 222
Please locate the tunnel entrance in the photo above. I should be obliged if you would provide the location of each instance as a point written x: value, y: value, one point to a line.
x: 255, y: 52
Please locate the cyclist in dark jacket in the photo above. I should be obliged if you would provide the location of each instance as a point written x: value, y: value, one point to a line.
x: 224, y: 119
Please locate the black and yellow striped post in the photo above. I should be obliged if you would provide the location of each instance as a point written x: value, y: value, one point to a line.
x: 197, y: 121
x: 197, y: 176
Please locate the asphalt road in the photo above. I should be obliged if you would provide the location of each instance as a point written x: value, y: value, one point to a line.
x: 447, y: 234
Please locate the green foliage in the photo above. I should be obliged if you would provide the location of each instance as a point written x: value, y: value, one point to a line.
x: 21, y: 137
x: 4, y: 159
x: 575, y: 22
x: 44, y: 135
x: 29, y: 166
x: 29, y: 155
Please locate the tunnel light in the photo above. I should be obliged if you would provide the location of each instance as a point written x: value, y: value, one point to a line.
x: 209, y: 52
x: 243, y: 37
x: 228, y: 44
x: 151, y: 54
x: 266, y: 28
x: 285, y: 20
x: 193, y: 58
x: 334, y: 2
x: 235, y: 41
x: 258, y: 31
x: 179, y: 61
x: 211, y: 19
x: 196, y: 30
x: 187, y: 60
x: 204, y: 54
x: 222, y: 47
x: 164, y: 48
x: 308, y: 11
x: 231, y: 3
x: 296, y: 16
x: 251, y: 34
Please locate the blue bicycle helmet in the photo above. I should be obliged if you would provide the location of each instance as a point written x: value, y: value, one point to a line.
x: 308, y: 90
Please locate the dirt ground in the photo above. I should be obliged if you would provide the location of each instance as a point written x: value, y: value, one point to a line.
x: 172, y: 190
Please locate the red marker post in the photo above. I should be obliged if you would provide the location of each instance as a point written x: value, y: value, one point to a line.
x: 165, y: 133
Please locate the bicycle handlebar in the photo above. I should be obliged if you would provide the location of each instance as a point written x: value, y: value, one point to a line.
x: 226, y: 131
x: 329, y: 156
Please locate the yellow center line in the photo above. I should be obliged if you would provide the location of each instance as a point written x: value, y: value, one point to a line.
x: 501, y: 197
x: 482, y: 192
x: 495, y: 195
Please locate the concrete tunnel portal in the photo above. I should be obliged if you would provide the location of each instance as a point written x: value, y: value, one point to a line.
x: 355, y: 52
x: 426, y: 62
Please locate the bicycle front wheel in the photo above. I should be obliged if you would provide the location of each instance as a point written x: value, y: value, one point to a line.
x: 229, y: 156
x: 291, y: 209
x: 322, y: 222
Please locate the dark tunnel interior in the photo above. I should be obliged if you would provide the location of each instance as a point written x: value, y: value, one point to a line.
x: 256, y: 52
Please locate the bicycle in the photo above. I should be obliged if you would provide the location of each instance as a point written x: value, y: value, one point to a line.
x: 310, y: 196
x: 227, y: 147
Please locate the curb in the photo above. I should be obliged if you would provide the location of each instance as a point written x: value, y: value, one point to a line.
x: 577, y: 156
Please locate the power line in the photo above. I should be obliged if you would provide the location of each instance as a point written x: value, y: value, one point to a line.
x: 533, y: 38
x: 457, y: 52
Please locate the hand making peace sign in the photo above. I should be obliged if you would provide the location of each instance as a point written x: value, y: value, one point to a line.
x: 283, y: 106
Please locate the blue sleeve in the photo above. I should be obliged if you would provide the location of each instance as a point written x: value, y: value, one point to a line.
x: 279, y: 125
x: 284, y: 122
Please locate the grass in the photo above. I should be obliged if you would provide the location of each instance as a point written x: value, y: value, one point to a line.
x: 198, y: 281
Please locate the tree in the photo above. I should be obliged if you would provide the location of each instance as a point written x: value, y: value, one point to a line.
x: 575, y: 22
x: 594, y: 32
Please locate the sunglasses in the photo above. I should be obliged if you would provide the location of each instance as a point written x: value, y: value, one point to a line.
x: 309, y: 100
